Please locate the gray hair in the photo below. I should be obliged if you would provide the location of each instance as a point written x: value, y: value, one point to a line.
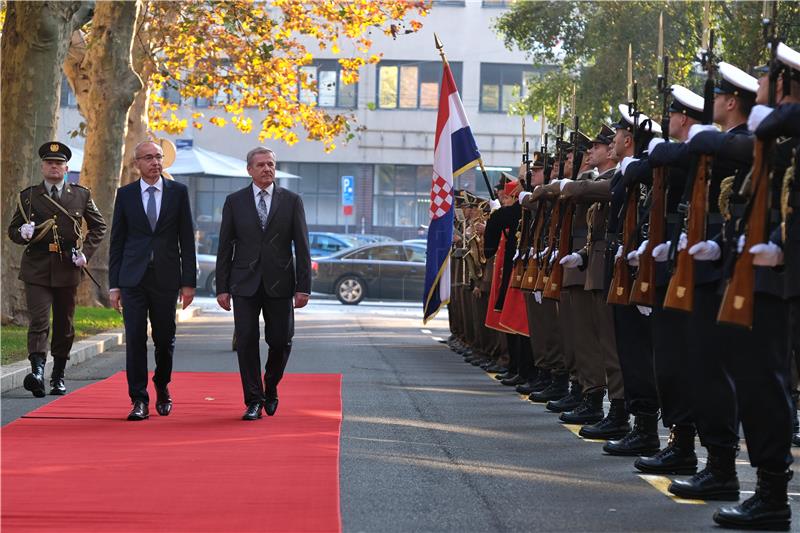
x: 136, y: 150
x: 260, y: 150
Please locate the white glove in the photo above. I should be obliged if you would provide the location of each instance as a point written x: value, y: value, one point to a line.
x: 683, y: 241
x: 625, y: 162
x: 26, y: 230
x: 516, y: 255
x: 78, y: 259
x: 644, y: 310
x: 661, y: 251
x: 655, y: 141
x: 633, y: 258
x: 522, y: 196
x: 494, y: 205
x: 757, y: 114
x: 563, y: 183
x: 705, y: 251
x: 543, y: 253
x: 767, y: 255
x: 537, y: 295
x: 553, y: 256
x: 740, y: 244
x: 697, y: 128
x: 619, y: 252
x: 572, y: 260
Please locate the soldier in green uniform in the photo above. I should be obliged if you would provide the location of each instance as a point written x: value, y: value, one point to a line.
x: 48, y: 222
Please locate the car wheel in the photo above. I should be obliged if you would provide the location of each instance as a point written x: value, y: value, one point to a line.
x: 350, y: 290
x: 211, y: 283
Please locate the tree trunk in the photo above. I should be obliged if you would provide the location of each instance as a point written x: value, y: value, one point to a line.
x: 113, y: 86
x: 137, y: 117
x: 34, y: 44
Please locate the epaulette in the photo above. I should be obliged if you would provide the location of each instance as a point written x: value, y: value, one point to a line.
x: 78, y: 185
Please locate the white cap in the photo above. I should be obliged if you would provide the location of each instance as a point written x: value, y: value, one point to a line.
x: 735, y: 81
x: 686, y: 102
x: 788, y: 56
x: 627, y: 121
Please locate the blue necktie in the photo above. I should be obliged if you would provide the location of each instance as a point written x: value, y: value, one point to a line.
x: 152, y: 216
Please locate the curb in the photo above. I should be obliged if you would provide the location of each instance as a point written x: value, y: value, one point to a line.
x: 14, y: 374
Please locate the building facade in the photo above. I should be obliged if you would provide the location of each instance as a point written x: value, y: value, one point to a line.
x: 395, y: 103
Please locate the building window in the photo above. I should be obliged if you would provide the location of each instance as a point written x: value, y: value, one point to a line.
x: 331, y: 92
x: 412, y: 85
x: 68, y: 98
x: 320, y: 187
x: 503, y: 85
x: 448, y: 3
x: 497, y: 3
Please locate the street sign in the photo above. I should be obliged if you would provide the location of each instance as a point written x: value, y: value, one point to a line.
x: 348, y: 195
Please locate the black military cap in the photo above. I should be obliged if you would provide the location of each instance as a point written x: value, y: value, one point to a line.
x: 604, y: 136
x: 55, y: 151
x: 583, y: 142
x: 538, y: 160
x: 626, y: 121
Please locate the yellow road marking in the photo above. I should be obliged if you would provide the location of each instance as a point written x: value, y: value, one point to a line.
x: 575, y: 428
x: 661, y: 483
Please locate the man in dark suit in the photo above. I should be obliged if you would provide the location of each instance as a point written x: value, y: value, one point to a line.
x: 152, y: 260
x: 260, y: 225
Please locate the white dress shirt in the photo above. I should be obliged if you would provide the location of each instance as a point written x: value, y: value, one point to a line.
x: 159, y: 185
x: 59, y: 187
x: 267, y: 198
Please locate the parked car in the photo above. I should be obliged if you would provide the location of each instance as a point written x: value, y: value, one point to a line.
x: 369, y: 238
x: 207, y: 273
x: 421, y: 242
x: 322, y: 244
x: 386, y: 271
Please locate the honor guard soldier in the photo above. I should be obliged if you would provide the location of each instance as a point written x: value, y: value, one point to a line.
x: 48, y: 222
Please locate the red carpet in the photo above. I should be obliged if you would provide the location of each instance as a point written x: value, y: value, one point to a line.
x: 76, y: 464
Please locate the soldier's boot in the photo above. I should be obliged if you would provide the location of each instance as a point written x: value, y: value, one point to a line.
x: 590, y: 411
x: 768, y: 508
x: 57, y: 387
x: 34, y: 381
x: 614, y: 426
x: 641, y: 440
x: 717, y: 481
x: 569, y: 401
x: 677, y: 457
x: 555, y: 389
x: 540, y: 381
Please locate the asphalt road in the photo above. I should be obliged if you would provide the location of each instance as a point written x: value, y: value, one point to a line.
x: 430, y: 443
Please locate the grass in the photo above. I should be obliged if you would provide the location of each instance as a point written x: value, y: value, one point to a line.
x: 88, y: 321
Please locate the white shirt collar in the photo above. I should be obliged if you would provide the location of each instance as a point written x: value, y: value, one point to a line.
x: 269, y: 189
x: 159, y: 184
x: 59, y: 186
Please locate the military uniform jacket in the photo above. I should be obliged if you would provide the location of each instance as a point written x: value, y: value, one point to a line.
x: 594, y: 252
x: 40, y: 265
x: 580, y: 228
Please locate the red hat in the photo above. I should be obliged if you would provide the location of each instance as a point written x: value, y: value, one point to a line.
x: 510, y: 186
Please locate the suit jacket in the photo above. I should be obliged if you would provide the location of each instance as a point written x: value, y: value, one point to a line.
x: 171, y: 244
x: 249, y: 256
x: 39, y: 265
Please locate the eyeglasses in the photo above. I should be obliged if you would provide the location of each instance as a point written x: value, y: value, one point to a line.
x: 150, y: 157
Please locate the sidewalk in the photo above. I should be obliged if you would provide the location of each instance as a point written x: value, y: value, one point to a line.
x: 83, y: 350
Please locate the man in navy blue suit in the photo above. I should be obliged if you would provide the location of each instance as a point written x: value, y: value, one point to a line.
x: 152, y: 262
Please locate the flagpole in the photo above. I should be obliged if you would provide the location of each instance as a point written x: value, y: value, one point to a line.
x: 440, y: 49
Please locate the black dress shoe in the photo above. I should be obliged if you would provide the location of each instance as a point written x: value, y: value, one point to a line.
x: 253, y: 411
x: 163, y: 401
x: 57, y: 387
x: 271, y: 406
x: 140, y: 411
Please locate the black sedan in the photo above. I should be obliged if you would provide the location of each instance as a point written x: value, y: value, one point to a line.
x: 387, y: 271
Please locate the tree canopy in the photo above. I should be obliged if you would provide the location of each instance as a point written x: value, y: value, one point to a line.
x: 589, y: 43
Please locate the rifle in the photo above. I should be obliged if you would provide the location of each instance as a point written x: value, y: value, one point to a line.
x: 619, y: 292
x: 564, y: 232
x: 532, y: 268
x: 523, y: 228
x: 643, y: 290
x: 555, y: 216
x: 680, y: 291
x: 738, y: 299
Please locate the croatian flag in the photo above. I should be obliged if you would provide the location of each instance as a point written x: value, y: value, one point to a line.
x: 454, y: 153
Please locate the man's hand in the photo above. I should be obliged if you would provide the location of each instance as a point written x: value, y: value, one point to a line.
x: 115, y: 297
x: 572, y: 260
x: 571, y: 189
x: 476, y: 292
x: 78, y: 259
x: 224, y: 300
x: 26, y: 230
x: 300, y: 300
x: 186, y: 297
x: 767, y: 254
x: 705, y: 251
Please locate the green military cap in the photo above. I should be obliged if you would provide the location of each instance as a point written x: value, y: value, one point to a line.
x: 55, y: 151
x: 605, y: 136
x: 583, y: 142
